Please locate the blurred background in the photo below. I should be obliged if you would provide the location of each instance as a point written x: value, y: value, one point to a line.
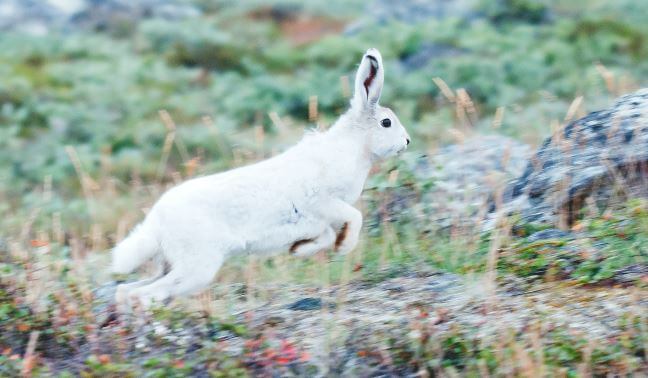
x: 104, y: 104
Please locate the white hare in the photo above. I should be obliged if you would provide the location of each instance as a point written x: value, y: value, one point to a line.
x: 299, y: 201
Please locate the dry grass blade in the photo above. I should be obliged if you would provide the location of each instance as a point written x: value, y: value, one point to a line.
x: 278, y: 123
x: 608, y: 77
x: 166, y: 151
x: 171, y: 128
x: 29, y: 360
x: 498, y: 117
x: 223, y: 148
x: 445, y: 89
x: 87, y: 184
x: 573, y: 109
x: 312, y: 109
x: 346, y: 87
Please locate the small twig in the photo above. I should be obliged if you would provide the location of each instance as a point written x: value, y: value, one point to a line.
x: 28, y: 360
x: 24, y: 233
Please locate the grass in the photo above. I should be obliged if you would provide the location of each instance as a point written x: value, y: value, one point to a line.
x: 602, y: 247
x: 94, y: 127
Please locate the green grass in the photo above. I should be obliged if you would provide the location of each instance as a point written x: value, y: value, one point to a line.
x: 82, y: 157
x: 600, y: 248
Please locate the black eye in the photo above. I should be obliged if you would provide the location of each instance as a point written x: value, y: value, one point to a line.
x: 385, y: 122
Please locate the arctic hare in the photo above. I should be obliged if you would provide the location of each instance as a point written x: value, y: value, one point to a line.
x: 299, y: 201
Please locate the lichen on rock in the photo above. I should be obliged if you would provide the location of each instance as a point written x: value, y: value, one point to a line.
x: 597, y: 159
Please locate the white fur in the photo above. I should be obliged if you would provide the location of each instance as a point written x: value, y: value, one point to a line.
x: 304, y: 194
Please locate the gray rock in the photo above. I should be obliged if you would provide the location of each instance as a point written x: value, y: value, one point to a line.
x: 306, y: 304
x: 603, y: 155
x: 427, y: 52
x: 631, y: 274
x: 104, y: 306
x: 443, y: 282
x: 551, y: 233
x: 413, y: 11
x: 421, y: 10
x: 465, y: 175
x: 32, y: 16
x: 40, y: 17
x: 111, y: 14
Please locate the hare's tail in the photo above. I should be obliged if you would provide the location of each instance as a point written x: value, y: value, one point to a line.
x: 139, y: 246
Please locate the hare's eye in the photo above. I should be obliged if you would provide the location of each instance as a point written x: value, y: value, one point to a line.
x: 385, y: 122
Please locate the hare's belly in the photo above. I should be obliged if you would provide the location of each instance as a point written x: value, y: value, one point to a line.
x: 278, y: 234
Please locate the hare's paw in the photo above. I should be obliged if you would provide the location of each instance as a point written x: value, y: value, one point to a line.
x: 347, y: 239
x: 308, y: 247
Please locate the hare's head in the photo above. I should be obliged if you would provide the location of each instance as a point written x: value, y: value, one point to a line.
x: 384, y: 132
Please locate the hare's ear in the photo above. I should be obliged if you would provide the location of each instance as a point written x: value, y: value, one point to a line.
x: 369, y: 81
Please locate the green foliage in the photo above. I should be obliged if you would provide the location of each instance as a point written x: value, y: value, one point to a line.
x: 515, y: 10
x: 602, y: 248
x: 417, y: 348
x: 101, y: 94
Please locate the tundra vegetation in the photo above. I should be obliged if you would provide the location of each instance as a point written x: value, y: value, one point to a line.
x: 97, y: 120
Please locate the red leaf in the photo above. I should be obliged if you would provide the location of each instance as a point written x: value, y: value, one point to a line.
x: 178, y: 364
x: 39, y: 243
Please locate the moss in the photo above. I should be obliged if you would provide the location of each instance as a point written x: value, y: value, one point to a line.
x: 599, y: 252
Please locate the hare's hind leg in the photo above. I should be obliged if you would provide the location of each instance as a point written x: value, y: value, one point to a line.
x: 308, y: 247
x: 123, y: 290
x: 194, y: 263
x: 186, y: 277
x: 349, y: 221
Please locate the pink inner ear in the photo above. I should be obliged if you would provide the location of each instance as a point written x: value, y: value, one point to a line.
x: 372, y: 73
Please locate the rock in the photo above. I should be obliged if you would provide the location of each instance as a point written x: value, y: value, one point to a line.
x: 31, y: 16
x: 41, y: 17
x: 426, y: 53
x: 464, y: 176
x: 306, y: 304
x: 106, y: 292
x: 104, y: 307
x: 587, y: 159
x: 551, y: 233
x: 631, y: 274
x: 443, y: 282
x: 413, y: 11
x: 114, y: 14
x: 393, y: 288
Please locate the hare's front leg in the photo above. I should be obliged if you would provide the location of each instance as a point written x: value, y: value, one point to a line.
x: 308, y: 247
x: 348, y: 220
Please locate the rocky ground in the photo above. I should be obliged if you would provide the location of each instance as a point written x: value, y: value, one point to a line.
x: 356, y: 329
x: 554, y: 298
x: 387, y: 323
x: 567, y: 301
